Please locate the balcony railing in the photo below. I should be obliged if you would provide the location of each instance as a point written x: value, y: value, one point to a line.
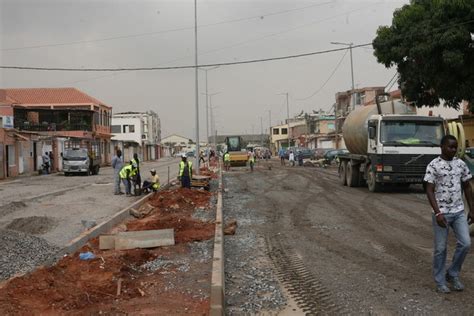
x: 52, y: 127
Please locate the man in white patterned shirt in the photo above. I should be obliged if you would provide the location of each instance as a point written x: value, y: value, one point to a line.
x: 446, y: 178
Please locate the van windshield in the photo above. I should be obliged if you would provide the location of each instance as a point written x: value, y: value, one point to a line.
x: 406, y: 133
x: 80, y: 154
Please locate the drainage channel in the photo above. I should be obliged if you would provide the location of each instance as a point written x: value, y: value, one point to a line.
x: 310, y: 295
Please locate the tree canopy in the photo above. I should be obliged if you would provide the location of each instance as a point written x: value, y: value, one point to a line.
x: 431, y: 44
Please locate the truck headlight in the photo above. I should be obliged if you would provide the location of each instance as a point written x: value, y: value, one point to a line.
x: 387, y: 168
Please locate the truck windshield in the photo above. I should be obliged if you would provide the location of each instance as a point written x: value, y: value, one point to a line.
x: 75, y: 155
x: 406, y: 133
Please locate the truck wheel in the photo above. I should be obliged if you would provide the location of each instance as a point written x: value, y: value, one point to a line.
x: 352, y: 174
x: 342, y: 172
x: 371, y: 182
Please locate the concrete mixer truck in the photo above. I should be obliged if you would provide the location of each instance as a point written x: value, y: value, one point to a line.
x: 388, y: 144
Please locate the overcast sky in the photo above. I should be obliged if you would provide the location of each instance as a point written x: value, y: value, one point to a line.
x: 160, y: 33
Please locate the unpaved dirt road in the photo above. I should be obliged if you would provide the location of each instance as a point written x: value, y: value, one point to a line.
x: 335, y: 249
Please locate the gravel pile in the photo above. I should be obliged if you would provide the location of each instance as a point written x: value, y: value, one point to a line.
x: 161, y: 263
x: 251, y: 285
x: 21, y: 252
x: 202, y: 251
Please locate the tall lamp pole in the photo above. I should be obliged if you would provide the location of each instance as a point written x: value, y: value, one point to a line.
x: 352, y: 69
x: 207, y: 103
x: 287, y: 116
x: 196, y: 86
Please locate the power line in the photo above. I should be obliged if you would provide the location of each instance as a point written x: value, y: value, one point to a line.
x: 327, y: 80
x: 169, y: 30
x: 251, y: 61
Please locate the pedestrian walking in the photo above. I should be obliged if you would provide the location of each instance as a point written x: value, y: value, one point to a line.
x: 137, y: 178
x: 201, y: 157
x: 46, y: 161
x: 117, y: 165
x: 51, y: 162
x: 446, y: 178
x: 126, y: 174
x: 251, y: 159
x: 291, y: 158
x: 281, y: 154
x: 227, y: 161
x: 185, y: 172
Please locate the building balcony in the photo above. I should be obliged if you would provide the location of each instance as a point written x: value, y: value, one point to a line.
x: 52, y: 127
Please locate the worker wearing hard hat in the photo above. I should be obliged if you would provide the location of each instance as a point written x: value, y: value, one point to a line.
x: 185, y: 171
x: 153, y: 184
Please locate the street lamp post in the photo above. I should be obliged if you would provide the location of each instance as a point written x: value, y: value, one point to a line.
x: 287, y: 116
x: 207, y: 99
x: 196, y: 86
x: 352, y: 69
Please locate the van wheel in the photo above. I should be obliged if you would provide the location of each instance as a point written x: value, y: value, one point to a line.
x: 342, y: 172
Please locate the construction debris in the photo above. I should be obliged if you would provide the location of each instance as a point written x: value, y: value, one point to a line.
x: 230, y: 227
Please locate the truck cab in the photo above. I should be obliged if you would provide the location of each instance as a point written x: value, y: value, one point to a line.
x: 401, y: 146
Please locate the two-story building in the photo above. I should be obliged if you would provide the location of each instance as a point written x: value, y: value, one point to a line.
x: 50, y: 120
x: 137, y: 133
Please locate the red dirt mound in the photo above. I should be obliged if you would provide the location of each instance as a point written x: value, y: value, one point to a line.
x: 182, y: 199
x: 186, y: 229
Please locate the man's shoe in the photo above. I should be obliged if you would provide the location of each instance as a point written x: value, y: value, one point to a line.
x: 443, y: 289
x: 455, y: 283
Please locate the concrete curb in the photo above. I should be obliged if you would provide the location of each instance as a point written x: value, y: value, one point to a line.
x: 105, y: 226
x: 218, y: 277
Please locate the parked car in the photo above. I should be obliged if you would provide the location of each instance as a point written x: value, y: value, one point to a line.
x: 306, y: 152
x: 330, y: 155
x: 190, y: 154
x: 78, y: 160
x: 319, y: 152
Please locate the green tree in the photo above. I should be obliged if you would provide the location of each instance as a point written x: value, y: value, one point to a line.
x: 430, y: 42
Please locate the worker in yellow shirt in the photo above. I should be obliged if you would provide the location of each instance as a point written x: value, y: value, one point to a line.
x: 153, y: 184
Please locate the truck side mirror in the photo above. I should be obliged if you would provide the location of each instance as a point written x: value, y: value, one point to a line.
x: 372, y: 132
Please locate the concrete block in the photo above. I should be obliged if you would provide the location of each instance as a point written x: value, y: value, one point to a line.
x: 106, y: 242
x: 144, y: 239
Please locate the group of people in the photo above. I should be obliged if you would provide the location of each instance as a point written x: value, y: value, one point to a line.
x: 129, y: 174
x: 291, y: 157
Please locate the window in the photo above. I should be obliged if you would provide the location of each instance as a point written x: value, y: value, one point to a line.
x: 276, y: 131
x: 284, y: 131
x: 143, y: 136
x: 116, y: 129
x: 129, y: 128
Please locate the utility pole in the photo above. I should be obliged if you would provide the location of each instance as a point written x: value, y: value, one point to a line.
x: 288, y: 116
x: 269, y: 129
x: 352, y: 69
x: 207, y: 103
x: 197, y: 86
x: 261, y: 131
